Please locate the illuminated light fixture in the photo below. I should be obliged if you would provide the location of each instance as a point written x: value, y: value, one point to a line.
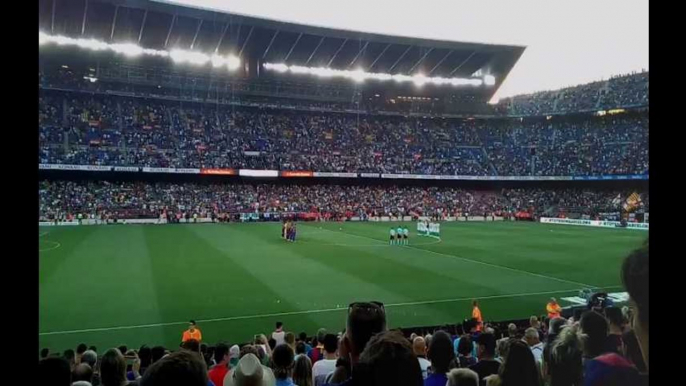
x: 419, y: 80
x: 91, y: 79
x: 131, y: 50
x: 360, y: 76
x: 232, y: 62
x: 183, y: 56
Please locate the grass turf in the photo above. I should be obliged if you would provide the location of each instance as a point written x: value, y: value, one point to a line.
x: 135, y: 284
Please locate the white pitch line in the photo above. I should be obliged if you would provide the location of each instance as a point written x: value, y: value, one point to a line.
x: 231, y: 318
x: 478, y: 262
x: 55, y: 246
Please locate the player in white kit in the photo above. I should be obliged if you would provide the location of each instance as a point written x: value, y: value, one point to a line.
x: 392, y: 236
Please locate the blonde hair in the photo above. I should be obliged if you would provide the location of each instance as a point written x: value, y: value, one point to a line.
x: 462, y: 377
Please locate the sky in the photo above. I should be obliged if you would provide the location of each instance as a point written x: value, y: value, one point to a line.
x: 568, y: 42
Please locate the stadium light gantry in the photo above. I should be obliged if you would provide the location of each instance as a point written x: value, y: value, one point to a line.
x: 231, y: 62
x: 360, y: 76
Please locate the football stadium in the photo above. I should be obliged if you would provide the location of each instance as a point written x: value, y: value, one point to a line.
x: 217, y: 189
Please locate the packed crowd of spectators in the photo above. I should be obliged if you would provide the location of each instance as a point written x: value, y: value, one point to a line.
x: 617, y: 92
x: 62, y: 199
x: 117, y: 131
x: 600, y: 346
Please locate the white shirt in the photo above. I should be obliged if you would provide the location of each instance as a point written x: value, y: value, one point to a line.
x: 537, y: 350
x: 279, y: 336
x: 424, y: 364
x: 392, y: 232
x: 321, y: 369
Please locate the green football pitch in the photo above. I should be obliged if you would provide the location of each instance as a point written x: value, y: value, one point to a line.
x: 135, y: 284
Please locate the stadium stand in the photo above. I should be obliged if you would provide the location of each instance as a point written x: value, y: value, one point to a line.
x: 625, y: 91
x: 87, y: 130
x: 102, y: 199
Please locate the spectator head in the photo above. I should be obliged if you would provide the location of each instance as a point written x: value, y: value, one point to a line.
x: 531, y: 336
x: 302, y: 372
x: 157, y: 353
x: 192, y: 325
x: 283, y: 361
x: 249, y: 372
x: 279, y: 326
x: 289, y: 338
x: 475, y: 303
x: 635, y: 278
x: 70, y: 356
x: 486, y: 346
x: 614, y: 317
x: 112, y: 368
x: 464, y: 346
x: 300, y: 348
x: 44, y: 353
x: 181, y: 368
x: 93, y: 348
x: 54, y: 371
x: 234, y: 355
x: 594, y: 329
x: 123, y: 349
x: 302, y: 337
x: 321, y: 333
x: 272, y: 343
x: 388, y: 360
x: 556, y: 325
x: 419, y: 346
x: 221, y: 353
x: 462, y: 377
x: 565, y: 365
x: 441, y: 352
x: 427, y: 340
x: 511, y: 330
x: 145, y: 355
x: 90, y: 358
x: 330, y: 343
x: 364, y: 320
x: 191, y: 345
x: 533, y: 322
x: 81, y: 348
x: 519, y: 368
x: 82, y: 372
x: 249, y: 349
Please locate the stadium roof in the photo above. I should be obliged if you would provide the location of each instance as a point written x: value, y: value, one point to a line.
x: 165, y: 26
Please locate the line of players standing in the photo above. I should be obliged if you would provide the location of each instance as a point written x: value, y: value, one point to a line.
x: 399, y: 236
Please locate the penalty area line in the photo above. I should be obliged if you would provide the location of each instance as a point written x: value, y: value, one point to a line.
x: 305, y: 312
